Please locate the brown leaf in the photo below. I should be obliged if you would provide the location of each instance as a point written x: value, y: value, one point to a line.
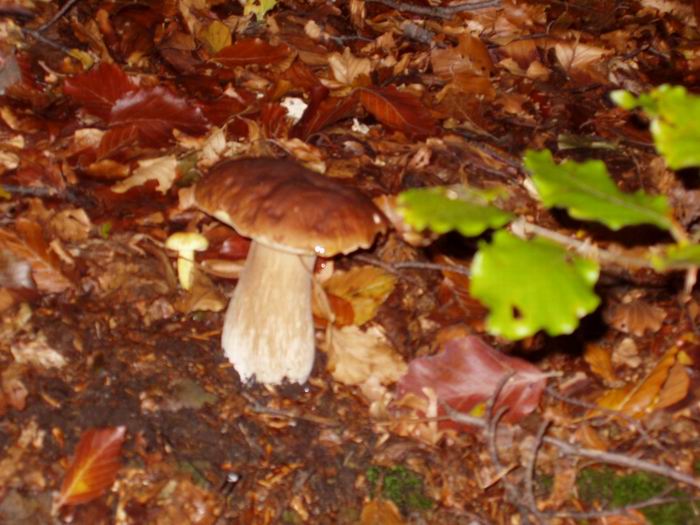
x: 251, y: 51
x: 636, y: 317
x: 322, y: 112
x: 600, y: 361
x: 467, y: 372
x: 364, y: 287
x: 398, y: 110
x: 380, y: 512
x: 94, y: 467
x: 99, y: 89
x: 28, y: 244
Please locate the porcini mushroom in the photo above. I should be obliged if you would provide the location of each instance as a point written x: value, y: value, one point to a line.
x: 185, y: 244
x: 292, y: 216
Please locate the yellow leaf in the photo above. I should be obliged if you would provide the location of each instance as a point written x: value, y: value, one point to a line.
x: 364, y: 287
x: 84, y: 58
x: 216, y: 36
x: 259, y: 8
x: 675, y: 388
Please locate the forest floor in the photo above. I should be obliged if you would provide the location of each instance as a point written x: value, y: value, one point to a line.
x: 117, y: 404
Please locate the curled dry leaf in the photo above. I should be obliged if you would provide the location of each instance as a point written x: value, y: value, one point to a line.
x: 467, y: 372
x: 27, y: 243
x: 600, y: 361
x: 94, y: 467
x: 364, y: 287
x: 635, y: 317
x: 666, y: 384
x: 355, y: 356
x: 162, y: 169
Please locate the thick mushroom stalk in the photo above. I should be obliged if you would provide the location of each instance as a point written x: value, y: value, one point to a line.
x: 268, y: 330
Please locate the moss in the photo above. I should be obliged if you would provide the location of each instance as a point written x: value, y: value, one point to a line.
x: 400, y: 485
x: 611, y: 490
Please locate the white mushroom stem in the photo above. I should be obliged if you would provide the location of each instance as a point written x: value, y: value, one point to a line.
x: 268, y: 330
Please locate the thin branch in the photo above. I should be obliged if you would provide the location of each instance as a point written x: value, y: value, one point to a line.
x: 522, y: 229
x: 530, y: 471
x: 445, y: 13
x: 66, y: 7
x: 41, y: 38
x: 413, y: 265
x: 651, y: 502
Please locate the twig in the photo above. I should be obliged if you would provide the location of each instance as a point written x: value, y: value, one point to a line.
x: 530, y: 471
x: 651, y: 502
x: 413, y: 265
x: 66, y: 7
x: 41, y: 38
x: 620, y: 460
x: 522, y: 228
x: 288, y: 414
x: 446, y: 12
x: 607, y: 411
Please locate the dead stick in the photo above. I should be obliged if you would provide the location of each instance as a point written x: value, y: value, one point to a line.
x: 66, y: 7
x: 439, y: 12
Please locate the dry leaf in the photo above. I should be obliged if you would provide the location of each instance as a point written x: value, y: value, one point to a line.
x: 355, y: 356
x: 600, y: 361
x: 381, y: 512
x: 348, y: 69
x: 636, y: 317
x: 364, y: 287
x: 161, y: 169
x: 94, y: 467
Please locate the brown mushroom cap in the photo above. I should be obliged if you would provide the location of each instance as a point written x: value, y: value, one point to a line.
x: 288, y: 207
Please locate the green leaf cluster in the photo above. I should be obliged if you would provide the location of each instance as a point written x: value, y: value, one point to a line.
x: 675, y: 122
x: 400, y: 485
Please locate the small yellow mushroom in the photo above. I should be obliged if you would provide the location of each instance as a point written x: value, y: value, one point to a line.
x: 185, y: 244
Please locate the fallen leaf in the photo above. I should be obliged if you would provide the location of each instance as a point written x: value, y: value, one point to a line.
x: 99, y: 89
x: 251, y: 51
x: 364, y: 287
x: 381, y: 512
x: 654, y: 388
x: 162, y: 169
x: 36, y: 351
x: 467, y: 372
x: 398, y: 110
x: 354, y: 356
x: 27, y: 243
x: 348, y: 69
x: 600, y: 361
x: 94, y: 467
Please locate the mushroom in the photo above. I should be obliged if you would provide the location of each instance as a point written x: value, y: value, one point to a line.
x: 185, y: 244
x: 292, y: 216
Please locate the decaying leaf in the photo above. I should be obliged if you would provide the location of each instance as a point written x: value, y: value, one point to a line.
x: 364, y: 287
x: 355, y: 356
x: 380, y: 511
x: 162, y: 169
x: 27, y: 243
x: 600, y: 361
x: 398, y: 110
x: 635, y: 317
x: 467, y: 372
x: 251, y: 51
x: 94, y: 467
x: 666, y: 384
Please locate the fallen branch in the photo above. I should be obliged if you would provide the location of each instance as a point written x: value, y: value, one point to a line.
x: 445, y: 13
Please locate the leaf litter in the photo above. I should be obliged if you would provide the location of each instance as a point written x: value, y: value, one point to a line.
x: 95, y: 334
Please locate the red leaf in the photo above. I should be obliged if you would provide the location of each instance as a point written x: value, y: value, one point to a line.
x: 467, y: 372
x: 156, y: 112
x: 99, y: 89
x: 116, y: 139
x: 94, y: 467
x: 322, y: 113
x: 398, y: 110
x: 251, y: 51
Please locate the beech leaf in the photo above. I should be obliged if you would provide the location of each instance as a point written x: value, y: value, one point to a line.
x: 398, y: 110
x: 675, y: 122
x: 94, y: 467
x: 532, y: 285
x: 155, y: 113
x: 27, y: 243
x: 162, y: 169
x: 364, y: 287
x: 587, y: 192
x: 442, y: 210
x: 99, y: 89
x: 251, y: 51
x: 467, y: 372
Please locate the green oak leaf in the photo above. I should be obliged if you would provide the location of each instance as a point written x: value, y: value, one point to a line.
x: 587, y: 192
x: 443, y: 210
x: 675, y: 122
x: 532, y: 285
